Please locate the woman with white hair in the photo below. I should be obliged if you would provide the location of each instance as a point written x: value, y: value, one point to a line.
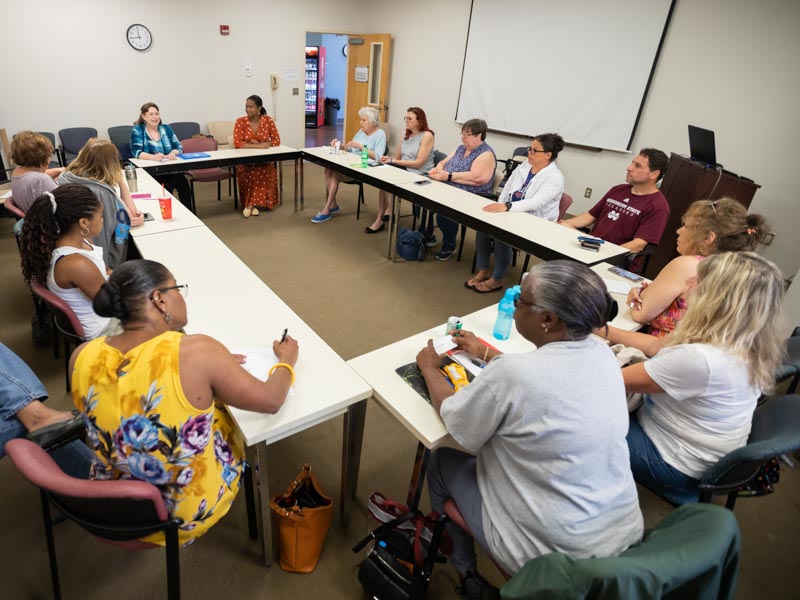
x: 369, y: 135
x: 552, y: 471
x: 701, y: 388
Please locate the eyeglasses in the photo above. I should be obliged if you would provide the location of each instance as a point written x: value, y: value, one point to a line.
x: 518, y: 300
x: 466, y: 134
x: 713, y: 204
x: 532, y: 150
x: 183, y: 289
x: 408, y: 118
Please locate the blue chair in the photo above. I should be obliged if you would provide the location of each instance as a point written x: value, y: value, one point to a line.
x: 185, y: 129
x: 72, y: 140
x: 120, y: 136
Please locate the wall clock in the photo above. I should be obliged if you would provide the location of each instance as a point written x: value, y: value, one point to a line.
x: 139, y: 37
x: 344, y: 50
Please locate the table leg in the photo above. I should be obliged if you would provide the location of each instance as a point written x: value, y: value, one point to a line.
x: 351, y: 457
x: 418, y: 476
x: 279, y: 165
x: 257, y: 457
x: 302, y: 184
x: 235, y: 191
x: 391, y: 251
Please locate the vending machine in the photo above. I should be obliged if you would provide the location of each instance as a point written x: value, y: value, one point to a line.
x: 315, y: 86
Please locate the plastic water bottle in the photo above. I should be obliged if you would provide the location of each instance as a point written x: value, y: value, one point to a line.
x: 364, y: 157
x: 505, y: 315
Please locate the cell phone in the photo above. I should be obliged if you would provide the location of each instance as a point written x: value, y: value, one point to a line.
x: 423, y: 182
x: 149, y: 217
x: 626, y: 274
x: 586, y: 245
x: 586, y: 238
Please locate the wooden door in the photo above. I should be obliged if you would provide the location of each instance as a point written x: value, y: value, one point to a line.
x: 367, y: 78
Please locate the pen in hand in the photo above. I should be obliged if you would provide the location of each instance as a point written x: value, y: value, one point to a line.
x: 283, y: 337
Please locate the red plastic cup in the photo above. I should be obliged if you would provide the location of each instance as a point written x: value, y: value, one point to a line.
x: 165, y: 204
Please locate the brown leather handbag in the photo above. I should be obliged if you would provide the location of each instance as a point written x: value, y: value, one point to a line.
x: 303, y: 515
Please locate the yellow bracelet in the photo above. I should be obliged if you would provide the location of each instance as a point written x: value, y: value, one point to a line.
x: 285, y: 366
x: 485, y: 354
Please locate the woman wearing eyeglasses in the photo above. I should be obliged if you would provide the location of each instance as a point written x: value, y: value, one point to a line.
x: 701, y: 389
x: 470, y: 167
x: 552, y: 471
x: 414, y: 154
x: 153, y: 398
x: 708, y: 227
x: 535, y: 187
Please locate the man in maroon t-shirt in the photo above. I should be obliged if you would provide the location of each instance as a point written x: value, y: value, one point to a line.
x: 635, y: 213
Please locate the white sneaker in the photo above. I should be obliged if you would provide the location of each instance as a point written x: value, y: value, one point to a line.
x: 247, y: 212
x: 255, y: 212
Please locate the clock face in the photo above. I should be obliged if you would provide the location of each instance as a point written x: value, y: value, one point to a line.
x: 139, y: 37
x: 344, y: 50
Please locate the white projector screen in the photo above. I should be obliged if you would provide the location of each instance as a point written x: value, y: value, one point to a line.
x: 580, y: 68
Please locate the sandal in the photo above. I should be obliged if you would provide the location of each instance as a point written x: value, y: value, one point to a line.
x: 485, y: 290
x: 475, y: 282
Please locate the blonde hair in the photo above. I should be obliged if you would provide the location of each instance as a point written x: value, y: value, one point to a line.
x: 98, y: 160
x: 738, y: 306
x: 734, y: 229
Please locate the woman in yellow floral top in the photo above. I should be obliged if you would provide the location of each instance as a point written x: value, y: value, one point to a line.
x: 153, y: 398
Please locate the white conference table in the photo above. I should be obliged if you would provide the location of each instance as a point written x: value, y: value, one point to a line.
x: 182, y: 217
x: 229, y: 158
x: 412, y: 410
x: 533, y: 235
x: 325, y: 387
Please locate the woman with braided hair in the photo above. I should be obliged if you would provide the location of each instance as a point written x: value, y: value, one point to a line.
x: 57, y: 252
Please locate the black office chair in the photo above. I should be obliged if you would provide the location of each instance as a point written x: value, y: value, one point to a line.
x: 185, y: 129
x: 426, y: 217
x: 58, y: 159
x: 120, y: 136
x: 790, y: 367
x: 72, y: 140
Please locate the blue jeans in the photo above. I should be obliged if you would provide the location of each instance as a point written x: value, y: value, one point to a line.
x: 453, y: 474
x: 502, y: 255
x: 449, y: 232
x: 19, y: 386
x: 653, y: 472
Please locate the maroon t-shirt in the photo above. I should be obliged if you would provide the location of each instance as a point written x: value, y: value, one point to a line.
x: 622, y: 216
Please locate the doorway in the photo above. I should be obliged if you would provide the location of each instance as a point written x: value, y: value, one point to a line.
x: 326, y: 91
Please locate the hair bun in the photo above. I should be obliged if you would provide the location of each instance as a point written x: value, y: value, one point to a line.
x: 108, y: 301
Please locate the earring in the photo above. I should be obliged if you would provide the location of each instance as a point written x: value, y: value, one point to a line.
x: 167, y: 317
x: 85, y: 233
x: 545, y: 328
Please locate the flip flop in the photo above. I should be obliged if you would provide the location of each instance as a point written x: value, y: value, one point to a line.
x: 472, y: 287
x: 494, y: 289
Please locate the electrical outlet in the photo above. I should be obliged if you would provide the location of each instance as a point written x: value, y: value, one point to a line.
x: 295, y: 91
x: 587, y: 193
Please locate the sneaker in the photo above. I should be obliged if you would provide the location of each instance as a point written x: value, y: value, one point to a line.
x: 247, y: 212
x: 320, y: 218
x: 430, y: 242
x: 255, y: 212
x: 475, y: 587
x: 445, y: 254
x: 333, y: 211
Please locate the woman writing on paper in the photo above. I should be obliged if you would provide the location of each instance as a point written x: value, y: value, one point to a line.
x: 535, y: 187
x: 414, y: 154
x: 701, y: 389
x: 258, y: 184
x: 708, y: 227
x: 370, y: 136
x: 552, y: 469
x: 152, y: 398
x: 153, y: 140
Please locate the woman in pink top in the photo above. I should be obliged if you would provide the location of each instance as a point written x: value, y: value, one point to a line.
x: 709, y: 227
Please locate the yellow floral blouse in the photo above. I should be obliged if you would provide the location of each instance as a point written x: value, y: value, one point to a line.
x: 141, y: 426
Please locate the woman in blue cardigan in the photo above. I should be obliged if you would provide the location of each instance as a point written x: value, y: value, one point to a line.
x: 153, y: 140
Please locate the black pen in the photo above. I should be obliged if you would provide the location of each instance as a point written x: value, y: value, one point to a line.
x: 283, y: 337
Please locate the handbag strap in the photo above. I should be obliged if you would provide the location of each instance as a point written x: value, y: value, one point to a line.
x: 385, y: 528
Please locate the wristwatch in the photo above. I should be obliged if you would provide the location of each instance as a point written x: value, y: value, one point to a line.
x: 508, y: 206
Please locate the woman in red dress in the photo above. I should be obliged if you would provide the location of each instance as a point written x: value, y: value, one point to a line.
x: 258, y: 184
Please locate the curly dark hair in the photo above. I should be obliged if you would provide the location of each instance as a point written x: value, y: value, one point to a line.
x: 43, y: 226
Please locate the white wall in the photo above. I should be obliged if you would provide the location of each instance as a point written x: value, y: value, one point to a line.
x: 727, y: 65
x: 68, y: 64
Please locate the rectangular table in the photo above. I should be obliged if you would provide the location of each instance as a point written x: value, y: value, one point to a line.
x: 325, y: 388
x: 530, y: 234
x: 182, y: 217
x: 412, y: 410
x: 230, y: 158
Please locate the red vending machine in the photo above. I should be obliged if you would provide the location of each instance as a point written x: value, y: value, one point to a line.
x: 315, y: 86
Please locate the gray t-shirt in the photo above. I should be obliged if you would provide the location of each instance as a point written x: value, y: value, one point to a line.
x: 26, y: 188
x: 553, y: 470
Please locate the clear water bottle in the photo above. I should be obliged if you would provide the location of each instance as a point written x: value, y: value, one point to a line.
x: 505, y: 315
x: 364, y: 157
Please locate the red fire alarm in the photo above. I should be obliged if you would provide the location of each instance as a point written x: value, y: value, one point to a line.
x: 224, y: 30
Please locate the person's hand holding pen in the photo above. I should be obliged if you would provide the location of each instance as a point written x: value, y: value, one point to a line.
x: 469, y: 342
x: 635, y: 296
x: 286, y: 349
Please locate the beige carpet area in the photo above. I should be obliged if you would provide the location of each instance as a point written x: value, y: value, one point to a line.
x: 339, y: 281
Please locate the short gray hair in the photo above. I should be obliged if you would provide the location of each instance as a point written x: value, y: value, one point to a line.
x: 575, y: 293
x: 370, y: 114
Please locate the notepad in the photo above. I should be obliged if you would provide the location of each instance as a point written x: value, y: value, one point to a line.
x: 141, y: 195
x: 190, y: 155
